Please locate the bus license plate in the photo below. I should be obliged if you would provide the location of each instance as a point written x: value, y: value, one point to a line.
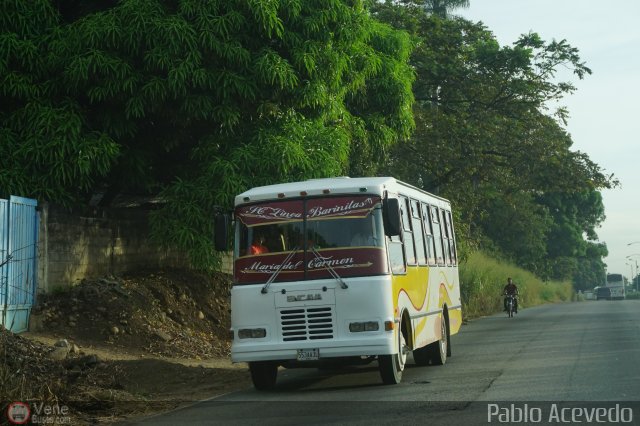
x: 308, y: 354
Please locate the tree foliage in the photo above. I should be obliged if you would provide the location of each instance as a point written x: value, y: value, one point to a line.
x: 440, y: 8
x: 48, y: 148
x: 486, y: 139
x: 199, y: 100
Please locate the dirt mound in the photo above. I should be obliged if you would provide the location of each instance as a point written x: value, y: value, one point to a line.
x: 173, y: 313
x: 33, y: 369
x: 106, y: 349
x: 89, y: 389
x: 60, y: 374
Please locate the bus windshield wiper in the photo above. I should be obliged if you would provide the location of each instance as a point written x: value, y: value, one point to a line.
x: 278, y: 269
x: 332, y: 271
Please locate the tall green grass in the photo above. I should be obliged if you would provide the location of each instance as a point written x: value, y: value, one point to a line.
x: 482, y: 279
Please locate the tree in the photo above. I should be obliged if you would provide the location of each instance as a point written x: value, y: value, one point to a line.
x: 590, y: 271
x: 201, y: 100
x: 440, y: 8
x: 572, y: 235
x: 486, y: 140
x: 518, y: 227
x: 443, y: 8
x: 49, y: 150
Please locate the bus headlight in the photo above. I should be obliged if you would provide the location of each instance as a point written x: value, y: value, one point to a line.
x: 252, y: 333
x: 356, y: 327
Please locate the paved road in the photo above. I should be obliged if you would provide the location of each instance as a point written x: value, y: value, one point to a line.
x: 580, y: 355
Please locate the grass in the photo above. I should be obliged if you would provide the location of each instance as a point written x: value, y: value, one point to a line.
x: 482, y: 279
x: 633, y: 295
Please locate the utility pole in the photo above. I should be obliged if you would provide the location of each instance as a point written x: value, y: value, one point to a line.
x: 634, y: 277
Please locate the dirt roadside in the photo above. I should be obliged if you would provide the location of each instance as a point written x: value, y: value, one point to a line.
x: 123, y: 347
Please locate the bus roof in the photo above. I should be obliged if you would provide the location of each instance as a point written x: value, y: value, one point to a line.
x: 336, y: 185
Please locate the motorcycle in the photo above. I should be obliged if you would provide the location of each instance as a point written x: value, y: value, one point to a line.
x: 511, y: 304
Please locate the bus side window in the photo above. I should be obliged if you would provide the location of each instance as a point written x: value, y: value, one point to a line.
x: 426, y: 220
x: 408, y: 234
x: 452, y: 239
x: 437, y: 234
x: 446, y: 240
x: 396, y: 255
x: 418, y: 232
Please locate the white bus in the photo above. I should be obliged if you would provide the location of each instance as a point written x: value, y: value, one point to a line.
x: 615, y: 283
x: 342, y: 270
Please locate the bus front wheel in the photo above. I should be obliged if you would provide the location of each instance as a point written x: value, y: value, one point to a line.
x: 263, y: 374
x: 392, y: 366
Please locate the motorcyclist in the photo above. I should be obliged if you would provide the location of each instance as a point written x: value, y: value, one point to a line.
x: 511, y: 289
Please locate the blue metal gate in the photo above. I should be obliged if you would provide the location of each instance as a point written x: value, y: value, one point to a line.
x: 18, y: 255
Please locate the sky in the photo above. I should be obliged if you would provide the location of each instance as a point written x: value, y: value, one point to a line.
x: 604, y: 111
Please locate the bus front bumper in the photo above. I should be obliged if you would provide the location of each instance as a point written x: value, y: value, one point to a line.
x: 381, y: 345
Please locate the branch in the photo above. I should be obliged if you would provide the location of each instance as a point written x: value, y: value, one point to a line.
x: 7, y: 260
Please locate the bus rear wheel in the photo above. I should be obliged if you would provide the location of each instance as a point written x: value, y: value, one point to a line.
x: 263, y: 374
x: 437, y: 351
x: 392, y: 366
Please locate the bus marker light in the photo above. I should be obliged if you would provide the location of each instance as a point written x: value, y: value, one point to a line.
x: 389, y: 325
x: 371, y: 326
x: 252, y: 333
x: 356, y: 327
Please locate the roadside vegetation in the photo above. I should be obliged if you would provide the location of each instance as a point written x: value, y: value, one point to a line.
x: 182, y: 100
x: 483, y: 278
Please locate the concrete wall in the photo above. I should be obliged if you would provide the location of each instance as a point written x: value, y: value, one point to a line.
x: 73, y: 246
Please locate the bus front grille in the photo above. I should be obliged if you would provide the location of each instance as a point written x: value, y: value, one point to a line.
x: 311, y: 323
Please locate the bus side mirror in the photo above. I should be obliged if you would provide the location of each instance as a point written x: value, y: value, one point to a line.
x: 391, y: 211
x: 221, y: 232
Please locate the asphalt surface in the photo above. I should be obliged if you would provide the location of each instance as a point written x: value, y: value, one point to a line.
x: 561, y: 363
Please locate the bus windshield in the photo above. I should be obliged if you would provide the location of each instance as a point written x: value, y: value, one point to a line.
x: 345, y: 233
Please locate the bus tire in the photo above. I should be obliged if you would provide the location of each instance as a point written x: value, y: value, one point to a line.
x: 437, y: 351
x: 392, y: 366
x: 263, y: 374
